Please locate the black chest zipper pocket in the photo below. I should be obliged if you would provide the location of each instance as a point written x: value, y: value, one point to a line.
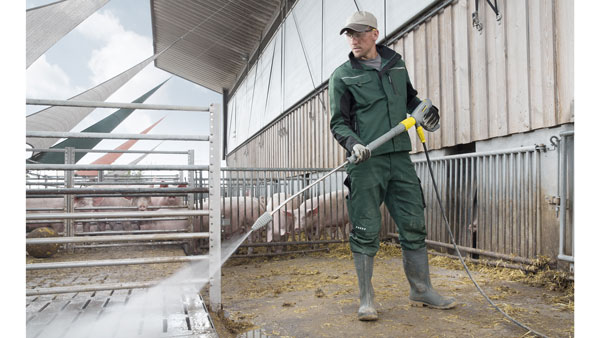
x: 392, y: 83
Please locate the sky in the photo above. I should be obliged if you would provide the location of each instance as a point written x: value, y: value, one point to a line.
x: 115, y: 38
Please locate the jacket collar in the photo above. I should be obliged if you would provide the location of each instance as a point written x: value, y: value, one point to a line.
x: 386, y: 53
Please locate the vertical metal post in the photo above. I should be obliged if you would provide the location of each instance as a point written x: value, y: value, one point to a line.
x: 69, y: 200
x: 564, y: 176
x: 214, y: 185
x: 191, y: 202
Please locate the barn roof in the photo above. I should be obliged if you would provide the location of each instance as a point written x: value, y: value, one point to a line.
x: 219, y: 37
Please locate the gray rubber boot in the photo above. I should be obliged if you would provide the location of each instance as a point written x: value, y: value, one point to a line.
x: 364, y: 272
x: 416, y: 267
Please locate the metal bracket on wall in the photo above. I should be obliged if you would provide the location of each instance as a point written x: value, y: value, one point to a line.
x: 555, y: 201
x: 475, y: 16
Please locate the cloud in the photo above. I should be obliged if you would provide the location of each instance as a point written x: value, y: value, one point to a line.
x: 48, y: 81
x: 120, y: 50
x: 101, y: 25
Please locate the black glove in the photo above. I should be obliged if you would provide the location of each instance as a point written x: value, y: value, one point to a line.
x: 431, y: 119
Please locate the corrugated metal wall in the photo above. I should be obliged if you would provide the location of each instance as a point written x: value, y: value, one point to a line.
x: 513, y: 77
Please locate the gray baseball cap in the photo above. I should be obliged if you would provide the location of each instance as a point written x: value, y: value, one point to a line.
x: 360, y: 21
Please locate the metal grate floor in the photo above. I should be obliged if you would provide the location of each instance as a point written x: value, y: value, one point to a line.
x: 98, y: 314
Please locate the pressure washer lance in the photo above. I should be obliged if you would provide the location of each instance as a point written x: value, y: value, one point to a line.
x: 421, y: 134
x: 404, y: 125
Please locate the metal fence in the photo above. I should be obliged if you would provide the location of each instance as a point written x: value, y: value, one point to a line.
x: 246, y: 193
x: 40, y: 184
x: 492, y: 201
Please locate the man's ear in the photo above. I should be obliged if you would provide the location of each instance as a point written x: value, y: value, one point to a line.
x: 376, y: 34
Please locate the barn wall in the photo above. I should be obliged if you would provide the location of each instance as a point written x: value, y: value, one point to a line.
x: 514, y: 76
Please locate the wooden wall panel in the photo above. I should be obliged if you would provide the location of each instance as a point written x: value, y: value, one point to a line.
x: 420, y: 79
x: 536, y: 102
x: 496, y: 61
x: 564, y: 31
x: 461, y: 72
x: 433, y: 75
x: 548, y: 58
x: 517, y: 66
x: 409, y: 59
x: 478, y: 81
x: 447, y: 106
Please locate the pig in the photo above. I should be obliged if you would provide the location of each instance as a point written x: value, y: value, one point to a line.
x: 113, y: 202
x: 172, y: 225
x: 141, y: 203
x: 322, y: 212
x: 241, y: 212
x: 58, y: 204
x: 46, y: 203
x: 169, y: 200
x: 82, y: 202
x: 106, y: 203
x: 283, y: 220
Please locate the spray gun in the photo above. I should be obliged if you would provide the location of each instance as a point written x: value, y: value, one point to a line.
x: 416, y: 118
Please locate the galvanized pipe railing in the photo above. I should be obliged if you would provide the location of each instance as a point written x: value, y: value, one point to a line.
x: 492, y: 200
x: 126, y: 190
x: 30, y: 166
x: 120, y: 245
x: 82, y: 183
x: 140, y: 214
x: 103, y: 287
x: 214, y: 192
x: 112, y: 136
x: 126, y: 208
x: 59, y: 150
x: 127, y: 232
x: 114, y: 262
x: 119, y: 238
x: 102, y: 104
x: 91, y: 220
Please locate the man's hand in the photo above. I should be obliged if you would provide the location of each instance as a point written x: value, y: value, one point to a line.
x: 428, y: 120
x: 431, y: 120
x: 361, y: 152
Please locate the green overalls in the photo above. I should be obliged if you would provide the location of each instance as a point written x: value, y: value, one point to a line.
x: 366, y: 103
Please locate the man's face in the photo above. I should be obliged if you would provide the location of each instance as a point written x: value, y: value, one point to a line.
x: 362, y: 43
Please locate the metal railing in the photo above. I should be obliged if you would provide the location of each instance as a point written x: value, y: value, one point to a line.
x: 66, y: 188
x: 566, y: 225
x: 492, y: 200
x: 255, y: 187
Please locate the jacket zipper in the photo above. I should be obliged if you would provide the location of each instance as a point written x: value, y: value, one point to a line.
x: 392, y: 83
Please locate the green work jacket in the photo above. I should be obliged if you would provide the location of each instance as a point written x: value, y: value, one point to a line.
x: 366, y: 103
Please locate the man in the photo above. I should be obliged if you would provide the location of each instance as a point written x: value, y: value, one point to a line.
x: 369, y: 94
